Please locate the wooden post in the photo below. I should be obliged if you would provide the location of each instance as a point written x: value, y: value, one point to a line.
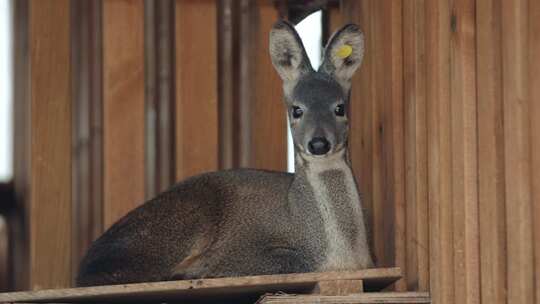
x: 268, y: 139
x: 197, y: 144
x: 517, y: 152
x: 534, y: 110
x: 123, y: 106
x: 491, y: 197
x: 49, y: 207
x: 415, y: 110
x: 439, y: 159
x: 464, y: 152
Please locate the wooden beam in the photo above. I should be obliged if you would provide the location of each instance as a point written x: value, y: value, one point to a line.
x: 123, y: 106
x: 415, y: 119
x: 4, y: 255
x: 439, y: 156
x: 363, y: 298
x: 18, y: 220
x: 50, y: 162
x: 268, y: 136
x: 159, y: 95
x: 87, y: 143
x: 228, y: 83
x: 491, y: 194
x: 534, y: 97
x: 517, y: 150
x: 240, y: 289
x: 464, y: 152
x: 197, y: 144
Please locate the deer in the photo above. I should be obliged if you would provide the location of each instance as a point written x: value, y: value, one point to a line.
x: 243, y: 222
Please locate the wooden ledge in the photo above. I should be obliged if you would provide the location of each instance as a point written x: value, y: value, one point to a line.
x: 242, y: 289
x: 362, y: 298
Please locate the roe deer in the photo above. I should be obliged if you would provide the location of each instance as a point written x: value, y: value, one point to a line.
x: 252, y: 222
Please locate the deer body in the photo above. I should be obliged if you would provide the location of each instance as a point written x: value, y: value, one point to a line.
x: 250, y: 222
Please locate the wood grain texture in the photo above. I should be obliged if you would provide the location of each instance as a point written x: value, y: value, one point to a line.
x: 159, y: 96
x: 339, y: 287
x: 517, y: 153
x: 362, y: 298
x: 123, y: 106
x: 87, y: 143
x: 50, y: 156
x: 414, y: 94
x: 241, y: 289
x: 227, y: 82
x: 4, y: 255
x: 464, y: 153
x: 439, y: 156
x: 196, y: 87
x: 268, y: 136
x: 534, y: 110
x: 491, y: 193
x: 390, y: 213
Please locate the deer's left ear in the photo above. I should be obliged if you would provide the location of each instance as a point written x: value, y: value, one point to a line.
x: 343, y: 55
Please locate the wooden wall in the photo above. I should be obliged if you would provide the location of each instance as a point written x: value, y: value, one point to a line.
x: 445, y: 143
x: 137, y: 94
x: 117, y: 100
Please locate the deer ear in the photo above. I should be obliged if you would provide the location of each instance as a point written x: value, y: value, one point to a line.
x: 287, y: 52
x: 343, y: 54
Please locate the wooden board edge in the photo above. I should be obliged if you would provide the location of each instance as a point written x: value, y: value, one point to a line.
x: 386, y: 275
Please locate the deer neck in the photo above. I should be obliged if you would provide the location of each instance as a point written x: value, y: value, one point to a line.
x: 335, y: 198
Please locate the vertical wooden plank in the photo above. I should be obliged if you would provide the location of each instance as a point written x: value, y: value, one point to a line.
x: 376, y: 40
x: 18, y: 219
x: 268, y: 138
x: 87, y: 143
x: 416, y: 146
x: 439, y: 155
x: 159, y: 95
x: 491, y: 194
x: 247, y: 36
x: 196, y: 87
x: 534, y: 98
x: 151, y: 98
x: 50, y: 163
x: 394, y: 141
x: 4, y: 256
x: 123, y: 93
x: 464, y: 152
x: 388, y: 135
x: 228, y: 67
x: 520, y: 275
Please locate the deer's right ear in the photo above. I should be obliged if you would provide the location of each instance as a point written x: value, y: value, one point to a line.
x: 287, y: 52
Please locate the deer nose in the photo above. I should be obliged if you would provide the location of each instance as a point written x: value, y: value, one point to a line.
x: 319, y: 146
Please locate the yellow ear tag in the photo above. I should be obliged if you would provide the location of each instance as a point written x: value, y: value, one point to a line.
x: 344, y: 51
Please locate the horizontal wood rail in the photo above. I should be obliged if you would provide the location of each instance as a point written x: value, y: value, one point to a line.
x: 243, y: 289
x: 361, y: 298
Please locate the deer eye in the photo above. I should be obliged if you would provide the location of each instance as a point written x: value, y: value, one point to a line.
x: 340, y: 110
x: 297, y: 112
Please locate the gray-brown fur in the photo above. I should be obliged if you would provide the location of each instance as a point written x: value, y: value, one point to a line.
x: 248, y: 222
